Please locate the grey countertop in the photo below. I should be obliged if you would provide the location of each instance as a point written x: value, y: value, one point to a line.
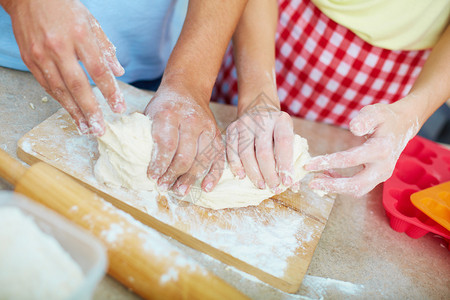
x: 358, y: 257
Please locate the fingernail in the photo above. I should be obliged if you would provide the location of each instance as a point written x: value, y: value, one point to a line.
x: 154, y: 172
x: 164, y: 187
x: 97, y: 128
x: 313, y: 184
x: 118, y: 107
x: 356, y: 128
x: 119, y: 67
x: 118, y: 103
x: 84, y: 128
x: 261, y: 184
x: 121, y: 70
x: 277, y: 190
x: 208, y: 187
x: 241, y: 174
x: 310, y: 167
x: 317, y: 185
x: 182, y: 189
x: 317, y: 165
x: 151, y: 176
x: 287, y: 180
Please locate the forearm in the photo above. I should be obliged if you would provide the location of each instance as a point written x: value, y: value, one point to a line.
x: 254, y: 53
x: 7, y: 5
x: 432, y: 88
x: 197, y: 56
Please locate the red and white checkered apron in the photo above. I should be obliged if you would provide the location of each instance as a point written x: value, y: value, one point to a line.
x: 324, y: 71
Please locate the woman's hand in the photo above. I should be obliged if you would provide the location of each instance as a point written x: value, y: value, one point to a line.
x: 187, y: 142
x: 388, y: 128
x: 260, y: 144
x: 53, y: 35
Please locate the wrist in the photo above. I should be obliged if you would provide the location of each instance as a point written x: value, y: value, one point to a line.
x: 179, y: 85
x: 416, y: 107
x: 263, y: 96
x: 192, y: 68
x: 410, y: 113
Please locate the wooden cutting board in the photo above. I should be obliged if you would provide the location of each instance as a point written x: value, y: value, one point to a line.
x: 272, y: 242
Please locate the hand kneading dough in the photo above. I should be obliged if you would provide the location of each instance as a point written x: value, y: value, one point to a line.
x: 125, y: 153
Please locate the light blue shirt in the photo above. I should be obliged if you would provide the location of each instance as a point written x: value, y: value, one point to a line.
x: 140, y: 29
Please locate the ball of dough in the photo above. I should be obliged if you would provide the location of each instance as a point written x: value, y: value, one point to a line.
x: 125, y: 153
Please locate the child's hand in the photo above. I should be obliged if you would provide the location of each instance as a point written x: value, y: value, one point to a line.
x: 260, y: 145
x: 388, y: 128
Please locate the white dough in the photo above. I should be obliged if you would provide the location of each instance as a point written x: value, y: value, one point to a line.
x: 125, y: 153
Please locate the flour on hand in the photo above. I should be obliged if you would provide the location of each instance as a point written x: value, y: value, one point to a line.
x: 125, y: 153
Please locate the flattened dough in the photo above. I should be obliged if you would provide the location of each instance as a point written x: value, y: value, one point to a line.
x: 125, y: 153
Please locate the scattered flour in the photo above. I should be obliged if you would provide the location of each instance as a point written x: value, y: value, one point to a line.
x: 74, y: 209
x: 26, y: 146
x: 320, y: 288
x: 151, y: 242
x: 125, y: 153
x: 170, y: 275
x: 278, y: 235
x: 261, y: 236
x: 33, y: 265
x: 114, y: 233
x: 267, y: 247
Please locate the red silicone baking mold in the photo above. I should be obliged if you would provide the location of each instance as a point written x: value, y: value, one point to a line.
x: 421, y: 165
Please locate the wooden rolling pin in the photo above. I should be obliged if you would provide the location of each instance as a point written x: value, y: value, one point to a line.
x: 138, y: 256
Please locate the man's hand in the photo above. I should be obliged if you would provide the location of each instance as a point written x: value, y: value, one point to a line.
x: 187, y: 143
x: 53, y: 35
x: 260, y: 144
x: 388, y: 128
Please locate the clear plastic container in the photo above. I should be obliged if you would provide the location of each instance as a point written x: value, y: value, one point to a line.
x: 84, y: 248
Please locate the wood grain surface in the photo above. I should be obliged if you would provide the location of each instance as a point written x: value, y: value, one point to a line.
x: 273, y: 242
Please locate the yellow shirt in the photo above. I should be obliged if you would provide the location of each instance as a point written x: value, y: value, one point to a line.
x: 391, y: 24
